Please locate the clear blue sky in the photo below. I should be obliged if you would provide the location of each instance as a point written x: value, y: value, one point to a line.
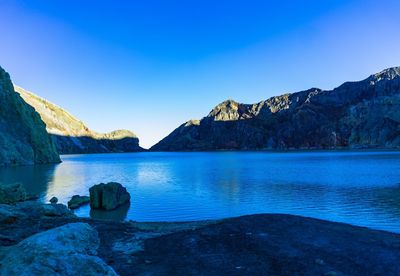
x: 149, y: 66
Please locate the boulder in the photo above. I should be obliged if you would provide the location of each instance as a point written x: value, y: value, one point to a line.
x: 77, y: 201
x: 35, y: 209
x: 53, y: 200
x: 108, y: 196
x: 12, y: 193
x: 67, y: 250
x: 32, y: 209
x: 55, y: 210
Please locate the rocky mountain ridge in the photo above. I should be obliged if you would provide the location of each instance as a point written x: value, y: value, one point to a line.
x: 23, y: 136
x: 72, y: 136
x: 359, y: 114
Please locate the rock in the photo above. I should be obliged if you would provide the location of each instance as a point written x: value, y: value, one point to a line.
x: 9, y: 214
x: 32, y: 209
x: 23, y: 136
x: 67, y: 250
x: 363, y: 114
x: 32, y: 197
x: 56, y: 210
x: 11, y: 193
x: 77, y: 201
x: 108, y: 196
x: 35, y: 209
x: 53, y: 200
x: 72, y: 136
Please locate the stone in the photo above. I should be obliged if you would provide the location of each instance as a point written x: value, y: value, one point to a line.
x: 11, y: 193
x: 108, y: 196
x: 67, y: 250
x: 23, y: 136
x: 53, y: 200
x: 9, y: 214
x: 77, y: 201
x: 55, y: 210
x: 35, y: 209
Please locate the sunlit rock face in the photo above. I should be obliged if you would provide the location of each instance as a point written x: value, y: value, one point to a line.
x: 72, y: 135
x: 363, y: 114
x: 23, y: 136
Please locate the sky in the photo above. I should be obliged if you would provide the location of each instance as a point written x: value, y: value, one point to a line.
x: 149, y: 66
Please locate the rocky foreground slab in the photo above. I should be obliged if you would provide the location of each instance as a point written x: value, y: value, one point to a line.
x: 253, y: 245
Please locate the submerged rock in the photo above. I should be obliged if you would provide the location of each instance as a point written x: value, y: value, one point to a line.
x: 108, y: 196
x: 77, y: 201
x: 67, y: 250
x: 11, y: 193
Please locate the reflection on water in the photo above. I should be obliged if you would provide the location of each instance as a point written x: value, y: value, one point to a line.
x: 354, y: 187
x: 36, y: 179
x: 118, y: 214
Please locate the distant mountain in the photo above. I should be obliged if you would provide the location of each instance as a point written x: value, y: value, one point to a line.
x: 363, y: 114
x: 23, y: 136
x: 73, y: 136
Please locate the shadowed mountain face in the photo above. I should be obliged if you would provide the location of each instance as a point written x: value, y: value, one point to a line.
x: 73, y: 136
x: 23, y: 136
x: 363, y: 114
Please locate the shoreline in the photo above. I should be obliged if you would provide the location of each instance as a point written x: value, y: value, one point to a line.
x: 252, y: 244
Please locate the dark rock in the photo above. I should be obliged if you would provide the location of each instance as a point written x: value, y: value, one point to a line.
x: 108, y: 196
x: 9, y: 214
x: 77, y: 201
x: 23, y: 136
x: 53, y: 200
x: 56, y: 210
x: 264, y: 244
x: 11, y: 193
x: 22, y: 210
x: 32, y: 197
x: 363, y: 114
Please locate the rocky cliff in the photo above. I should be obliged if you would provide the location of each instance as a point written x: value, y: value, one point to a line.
x: 73, y: 136
x: 362, y: 114
x: 23, y: 136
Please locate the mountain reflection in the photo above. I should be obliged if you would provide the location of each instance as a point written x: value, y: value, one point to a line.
x: 353, y: 187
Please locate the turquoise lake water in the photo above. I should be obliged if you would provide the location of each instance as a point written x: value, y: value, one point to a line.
x: 360, y: 188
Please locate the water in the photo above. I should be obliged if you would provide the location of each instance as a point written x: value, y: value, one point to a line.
x: 360, y: 188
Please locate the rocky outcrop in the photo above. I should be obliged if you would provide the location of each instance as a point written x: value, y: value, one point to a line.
x: 67, y: 250
x: 12, y: 193
x: 108, y: 196
x: 263, y: 244
x: 77, y: 201
x: 72, y: 136
x: 23, y: 137
x: 363, y: 114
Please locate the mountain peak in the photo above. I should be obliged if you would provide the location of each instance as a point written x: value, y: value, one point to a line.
x: 226, y: 111
x: 389, y: 73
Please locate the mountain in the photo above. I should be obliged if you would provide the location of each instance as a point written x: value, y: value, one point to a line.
x: 72, y: 136
x: 362, y: 114
x: 23, y: 136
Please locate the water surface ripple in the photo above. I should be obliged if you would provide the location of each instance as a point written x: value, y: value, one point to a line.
x: 360, y: 188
